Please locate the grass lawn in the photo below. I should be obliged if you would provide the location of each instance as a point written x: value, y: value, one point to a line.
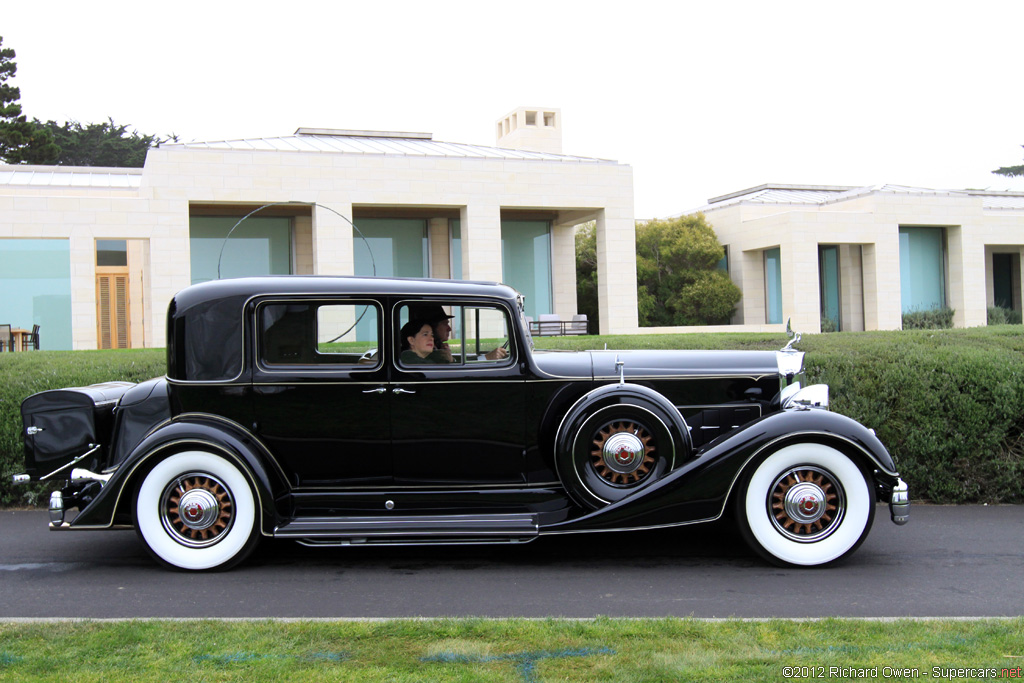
x: 509, y: 650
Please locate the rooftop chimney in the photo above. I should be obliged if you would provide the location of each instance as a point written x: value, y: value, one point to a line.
x: 531, y: 129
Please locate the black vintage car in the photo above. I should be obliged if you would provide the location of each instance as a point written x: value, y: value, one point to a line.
x: 317, y: 409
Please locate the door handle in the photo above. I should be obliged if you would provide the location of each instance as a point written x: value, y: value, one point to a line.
x: 400, y: 390
x: 378, y: 390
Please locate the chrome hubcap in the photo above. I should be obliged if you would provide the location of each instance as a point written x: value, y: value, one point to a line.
x: 806, y: 504
x: 196, y: 510
x: 621, y: 452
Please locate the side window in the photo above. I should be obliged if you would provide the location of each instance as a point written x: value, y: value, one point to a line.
x: 452, y: 335
x: 318, y: 333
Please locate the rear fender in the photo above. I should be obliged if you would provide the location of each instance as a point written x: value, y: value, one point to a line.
x: 699, y: 490
x: 113, y: 504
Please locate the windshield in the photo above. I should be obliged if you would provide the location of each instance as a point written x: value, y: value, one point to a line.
x: 521, y: 305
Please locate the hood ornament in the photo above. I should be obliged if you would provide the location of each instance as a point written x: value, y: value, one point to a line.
x: 794, y: 337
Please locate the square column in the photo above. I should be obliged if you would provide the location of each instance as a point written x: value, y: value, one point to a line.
x: 881, y: 263
x: 332, y: 241
x: 481, y: 242
x: 440, y: 248
x: 563, y: 269
x: 616, y: 272
x: 965, y: 282
x: 801, y: 282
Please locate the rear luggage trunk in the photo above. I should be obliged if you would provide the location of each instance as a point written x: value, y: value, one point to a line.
x: 61, y: 425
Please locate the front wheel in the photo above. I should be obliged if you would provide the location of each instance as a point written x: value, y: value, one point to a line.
x: 805, y: 505
x: 196, y: 510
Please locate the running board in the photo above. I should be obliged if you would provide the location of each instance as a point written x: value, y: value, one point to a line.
x: 411, y: 529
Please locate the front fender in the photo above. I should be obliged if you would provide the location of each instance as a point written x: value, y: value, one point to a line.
x: 699, y: 490
x: 112, y: 505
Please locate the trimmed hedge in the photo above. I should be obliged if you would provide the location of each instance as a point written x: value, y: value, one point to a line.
x: 949, y: 404
x: 23, y: 374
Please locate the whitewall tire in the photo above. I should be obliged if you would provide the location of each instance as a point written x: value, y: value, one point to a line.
x: 806, y: 504
x: 196, y: 510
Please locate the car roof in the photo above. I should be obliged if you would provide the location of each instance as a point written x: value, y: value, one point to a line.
x: 213, y: 311
x: 330, y: 284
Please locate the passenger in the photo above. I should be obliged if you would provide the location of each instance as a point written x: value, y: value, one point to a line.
x: 439, y: 321
x: 417, y: 343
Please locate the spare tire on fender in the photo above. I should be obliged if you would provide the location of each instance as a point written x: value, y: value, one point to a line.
x: 616, y: 440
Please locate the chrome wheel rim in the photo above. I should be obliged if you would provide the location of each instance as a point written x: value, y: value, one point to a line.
x: 621, y: 453
x: 196, y: 510
x: 806, y: 504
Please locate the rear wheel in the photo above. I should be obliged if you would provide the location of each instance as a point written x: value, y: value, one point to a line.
x: 806, y: 504
x: 196, y: 510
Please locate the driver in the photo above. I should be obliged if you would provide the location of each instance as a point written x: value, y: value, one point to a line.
x: 440, y: 322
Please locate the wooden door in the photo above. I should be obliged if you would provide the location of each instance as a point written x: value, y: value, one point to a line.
x: 112, y: 319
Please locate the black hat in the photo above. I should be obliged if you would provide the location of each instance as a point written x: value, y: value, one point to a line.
x: 429, y: 312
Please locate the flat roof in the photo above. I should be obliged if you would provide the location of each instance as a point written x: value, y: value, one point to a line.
x: 71, y: 176
x: 379, y: 143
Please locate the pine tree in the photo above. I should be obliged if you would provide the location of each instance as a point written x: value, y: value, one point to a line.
x: 21, y: 141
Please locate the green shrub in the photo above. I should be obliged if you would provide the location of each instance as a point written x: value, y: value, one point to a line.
x: 23, y: 374
x: 998, y: 315
x: 949, y: 405
x: 933, y: 319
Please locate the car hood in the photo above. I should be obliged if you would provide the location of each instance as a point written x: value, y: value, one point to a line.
x: 653, y: 364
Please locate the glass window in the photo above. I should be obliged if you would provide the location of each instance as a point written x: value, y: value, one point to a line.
x: 922, y: 269
x: 36, y: 279
x: 392, y: 247
x: 315, y: 333
x: 773, y: 284
x: 828, y: 273
x: 1003, y: 268
x: 456, y: 227
x: 258, y: 246
x: 444, y: 334
x: 526, y: 262
x: 111, y: 253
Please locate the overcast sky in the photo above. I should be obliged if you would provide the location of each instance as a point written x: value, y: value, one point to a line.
x: 700, y: 98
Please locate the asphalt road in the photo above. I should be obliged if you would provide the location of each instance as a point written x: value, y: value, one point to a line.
x: 948, y: 561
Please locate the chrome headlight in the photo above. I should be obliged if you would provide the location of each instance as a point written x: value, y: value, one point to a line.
x: 803, y: 398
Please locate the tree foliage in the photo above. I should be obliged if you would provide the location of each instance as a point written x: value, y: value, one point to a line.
x: 678, y: 279
x: 586, y: 274
x: 21, y: 141
x: 1010, y: 170
x: 101, y: 144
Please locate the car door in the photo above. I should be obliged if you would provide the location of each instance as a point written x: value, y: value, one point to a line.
x: 319, y: 387
x: 459, y: 422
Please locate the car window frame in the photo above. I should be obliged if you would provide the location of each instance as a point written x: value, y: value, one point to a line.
x: 324, y: 367
x: 463, y: 366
